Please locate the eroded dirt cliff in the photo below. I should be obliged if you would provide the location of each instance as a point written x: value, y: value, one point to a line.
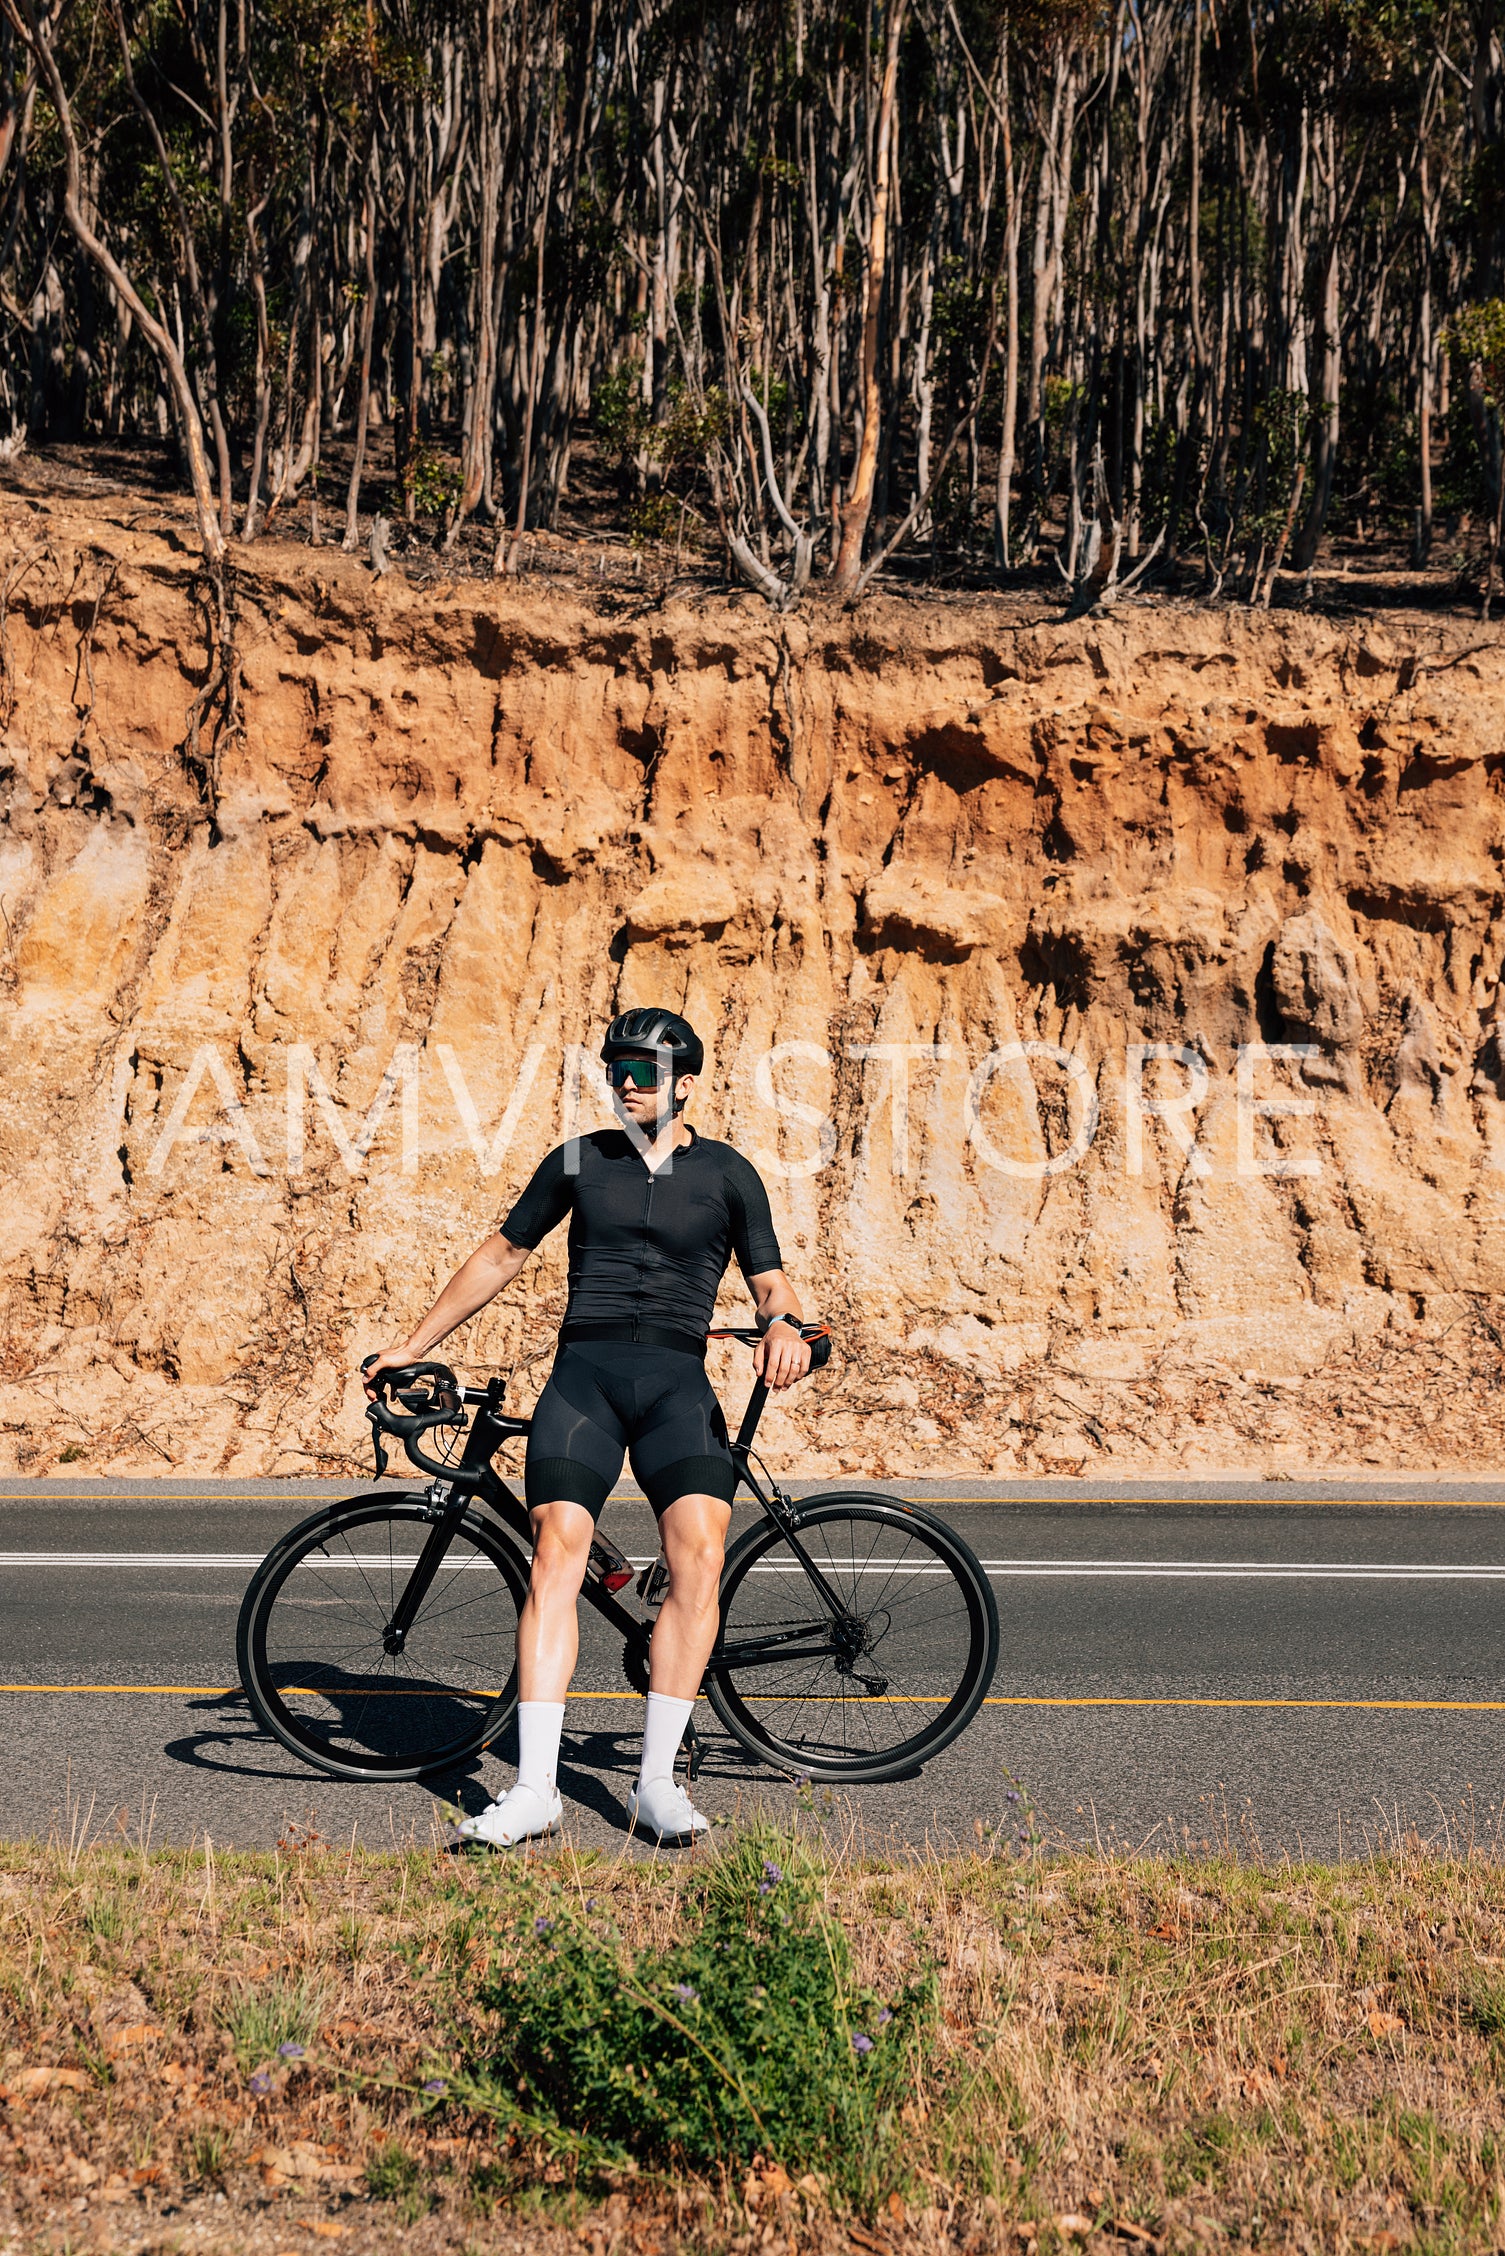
x: 464, y: 824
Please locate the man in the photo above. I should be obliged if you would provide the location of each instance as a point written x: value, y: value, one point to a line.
x: 656, y: 1214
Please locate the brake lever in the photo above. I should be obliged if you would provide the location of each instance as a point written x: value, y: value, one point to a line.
x: 377, y: 1449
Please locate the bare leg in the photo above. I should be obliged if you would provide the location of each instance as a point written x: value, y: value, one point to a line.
x: 548, y: 1628
x: 548, y: 1640
x: 693, y: 1533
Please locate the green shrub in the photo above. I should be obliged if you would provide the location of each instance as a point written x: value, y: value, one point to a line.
x: 1487, y: 2009
x: 262, y: 2021
x: 392, y: 2174
x: 745, y: 2035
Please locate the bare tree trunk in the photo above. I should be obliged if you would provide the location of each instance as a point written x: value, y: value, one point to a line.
x: 857, y: 508
x: 250, y: 523
x: 535, y: 352
x: 38, y: 39
x: 1425, y: 353
x: 475, y: 475
x: 1326, y: 447
x: 352, y: 540
x: 1013, y: 220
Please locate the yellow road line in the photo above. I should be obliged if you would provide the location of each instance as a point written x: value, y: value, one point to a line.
x: 216, y: 1690
x: 1122, y: 1700
x: 898, y: 1699
x: 309, y: 1691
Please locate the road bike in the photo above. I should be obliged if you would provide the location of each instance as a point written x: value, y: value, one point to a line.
x: 377, y: 1640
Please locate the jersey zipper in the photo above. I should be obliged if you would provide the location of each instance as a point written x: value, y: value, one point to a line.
x: 637, y: 1314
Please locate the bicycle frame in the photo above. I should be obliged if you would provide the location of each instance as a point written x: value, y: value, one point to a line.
x: 474, y: 1477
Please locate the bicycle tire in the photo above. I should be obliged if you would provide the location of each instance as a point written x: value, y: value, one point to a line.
x: 359, y: 1712
x: 817, y: 1714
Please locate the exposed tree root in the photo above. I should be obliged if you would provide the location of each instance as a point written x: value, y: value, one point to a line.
x: 215, y: 718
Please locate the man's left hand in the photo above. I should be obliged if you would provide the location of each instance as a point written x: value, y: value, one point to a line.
x: 781, y: 1357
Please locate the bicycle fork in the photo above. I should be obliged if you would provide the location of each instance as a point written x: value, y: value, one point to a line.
x: 420, y: 1582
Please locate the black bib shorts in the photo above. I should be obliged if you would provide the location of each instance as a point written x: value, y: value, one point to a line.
x: 607, y: 1399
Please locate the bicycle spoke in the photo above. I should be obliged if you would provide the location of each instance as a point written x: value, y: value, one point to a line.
x: 898, y: 1664
x: 319, y: 1645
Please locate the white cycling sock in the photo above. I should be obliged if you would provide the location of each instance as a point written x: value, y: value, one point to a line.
x: 663, y: 1729
x: 540, y: 1727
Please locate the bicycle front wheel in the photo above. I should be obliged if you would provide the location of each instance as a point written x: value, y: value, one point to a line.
x: 867, y: 1666
x: 314, y: 1649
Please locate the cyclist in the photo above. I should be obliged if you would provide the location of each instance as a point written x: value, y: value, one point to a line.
x: 656, y: 1213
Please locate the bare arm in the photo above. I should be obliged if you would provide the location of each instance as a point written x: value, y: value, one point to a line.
x: 488, y: 1271
x: 781, y: 1356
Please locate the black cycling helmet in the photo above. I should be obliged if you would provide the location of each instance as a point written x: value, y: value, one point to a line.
x: 649, y: 1028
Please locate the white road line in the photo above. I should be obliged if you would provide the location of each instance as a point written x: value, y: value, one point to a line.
x: 1107, y: 1569
x: 1194, y: 1570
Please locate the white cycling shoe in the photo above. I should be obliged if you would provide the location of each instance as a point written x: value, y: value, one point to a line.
x: 660, y: 1807
x: 521, y: 1814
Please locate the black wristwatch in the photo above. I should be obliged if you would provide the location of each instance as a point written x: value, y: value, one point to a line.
x: 783, y: 1317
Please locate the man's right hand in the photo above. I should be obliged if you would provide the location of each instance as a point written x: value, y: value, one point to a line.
x: 389, y: 1359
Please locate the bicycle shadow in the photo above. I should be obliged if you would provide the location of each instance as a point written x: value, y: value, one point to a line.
x: 239, y: 1745
x: 597, y: 1763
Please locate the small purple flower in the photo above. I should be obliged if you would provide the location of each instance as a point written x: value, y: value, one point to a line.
x: 543, y: 1926
x: 436, y: 2087
x: 261, y: 2083
x: 860, y: 2042
x: 290, y: 2052
x: 1011, y: 1796
x: 685, y: 1994
x: 884, y: 2016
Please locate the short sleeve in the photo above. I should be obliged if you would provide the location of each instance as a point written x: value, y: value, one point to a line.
x: 543, y: 1204
x: 754, y: 1240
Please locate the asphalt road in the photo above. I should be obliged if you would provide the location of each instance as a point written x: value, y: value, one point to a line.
x: 1313, y: 1670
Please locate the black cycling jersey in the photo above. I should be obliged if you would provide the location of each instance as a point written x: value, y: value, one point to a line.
x: 647, y: 1251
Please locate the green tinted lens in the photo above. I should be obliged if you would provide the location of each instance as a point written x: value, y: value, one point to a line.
x: 640, y: 1073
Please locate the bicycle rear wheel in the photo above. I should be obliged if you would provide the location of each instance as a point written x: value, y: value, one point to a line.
x: 310, y: 1647
x: 874, y: 1678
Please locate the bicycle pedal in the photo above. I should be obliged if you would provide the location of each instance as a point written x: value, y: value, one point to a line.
x: 653, y: 1583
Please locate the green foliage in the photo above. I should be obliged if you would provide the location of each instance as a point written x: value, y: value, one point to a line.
x: 654, y: 518
x: 1062, y: 401
x: 394, y: 2175
x: 1282, y: 425
x: 105, y: 1915
x: 434, y: 484
x: 1486, y: 2009
x: 1478, y: 334
x: 624, y: 421
x: 208, y: 2152
x: 262, y: 2021
x: 619, y: 411
x: 748, y: 2033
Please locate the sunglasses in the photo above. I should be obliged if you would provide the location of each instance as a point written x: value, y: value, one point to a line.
x: 635, y: 1073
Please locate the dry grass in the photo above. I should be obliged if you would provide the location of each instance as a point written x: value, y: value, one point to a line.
x: 1134, y: 2052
